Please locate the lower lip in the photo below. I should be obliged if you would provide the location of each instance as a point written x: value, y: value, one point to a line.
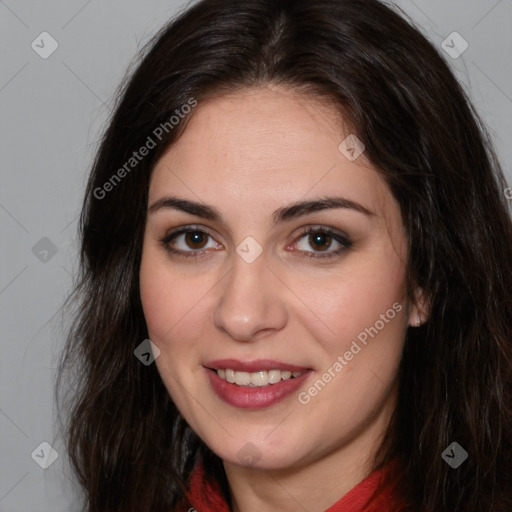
x: 254, y: 397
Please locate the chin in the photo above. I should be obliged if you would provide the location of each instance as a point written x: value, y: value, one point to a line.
x: 258, y: 454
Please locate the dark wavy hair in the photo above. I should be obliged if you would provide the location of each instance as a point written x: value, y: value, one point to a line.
x: 127, y: 442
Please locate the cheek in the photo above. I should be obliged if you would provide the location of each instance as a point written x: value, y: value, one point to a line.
x: 173, y: 305
x: 366, y: 315
x: 368, y: 296
x: 157, y: 299
x: 163, y: 300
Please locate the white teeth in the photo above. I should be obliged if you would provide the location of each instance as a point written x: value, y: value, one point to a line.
x: 274, y: 376
x: 242, y: 378
x: 259, y: 378
x: 256, y: 379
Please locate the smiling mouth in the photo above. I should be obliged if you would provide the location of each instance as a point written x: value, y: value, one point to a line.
x: 254, y: 384
x: 260, y: 378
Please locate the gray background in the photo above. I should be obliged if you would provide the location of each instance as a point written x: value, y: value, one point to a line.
x: 51, y: 112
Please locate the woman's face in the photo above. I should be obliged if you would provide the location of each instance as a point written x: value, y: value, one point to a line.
x: 315, y: 322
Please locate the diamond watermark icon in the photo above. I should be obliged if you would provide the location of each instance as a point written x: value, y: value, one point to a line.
x: 454, y: 455
x: 352, y: 148
x: 44, y: 250
x: 146, y: 352
x: 249, y: 250
x: 454, y: 45
x: 249, y: 455
x: 44, y: 455
x: 44, y: 45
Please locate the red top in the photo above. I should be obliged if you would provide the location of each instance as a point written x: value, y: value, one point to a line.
x: 205, y: 496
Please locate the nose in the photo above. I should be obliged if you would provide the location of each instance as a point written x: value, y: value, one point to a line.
x: 251, y: 303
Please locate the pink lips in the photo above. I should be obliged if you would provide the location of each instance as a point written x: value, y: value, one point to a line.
x: 253, y: 366
x: 254, y: 397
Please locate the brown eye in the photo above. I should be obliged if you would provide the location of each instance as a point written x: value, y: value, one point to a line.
x: 196, y: 239
x: 320, y: 241
x: 189, y: 242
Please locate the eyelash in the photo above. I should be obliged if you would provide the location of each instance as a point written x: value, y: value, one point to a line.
x: 344, y: 240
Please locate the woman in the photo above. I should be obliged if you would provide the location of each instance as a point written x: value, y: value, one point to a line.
x: 297, y: 204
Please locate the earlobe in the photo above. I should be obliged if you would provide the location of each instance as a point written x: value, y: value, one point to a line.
x: 420, y: 310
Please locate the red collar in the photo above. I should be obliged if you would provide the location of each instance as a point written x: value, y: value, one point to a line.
x: 205, y: 495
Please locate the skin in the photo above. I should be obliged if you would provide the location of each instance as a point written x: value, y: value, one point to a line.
x: 247, y: 154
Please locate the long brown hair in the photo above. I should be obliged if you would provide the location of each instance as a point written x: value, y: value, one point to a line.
x: 127, y: 442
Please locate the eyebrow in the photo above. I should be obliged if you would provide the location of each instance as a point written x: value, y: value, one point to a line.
x: 283, y: 214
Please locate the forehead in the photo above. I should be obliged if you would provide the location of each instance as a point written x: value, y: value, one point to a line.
x: 268, y: 146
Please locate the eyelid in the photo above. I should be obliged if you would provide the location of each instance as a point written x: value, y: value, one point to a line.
x: 321, y: 228
x: 186, y: 228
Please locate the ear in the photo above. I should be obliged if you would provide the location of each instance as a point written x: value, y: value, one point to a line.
x: 420, y: 309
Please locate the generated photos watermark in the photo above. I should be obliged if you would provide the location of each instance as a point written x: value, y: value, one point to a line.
x: 454, y: 455
x: 305, y: 397
x: 146, y: 352
x: 144, y: 150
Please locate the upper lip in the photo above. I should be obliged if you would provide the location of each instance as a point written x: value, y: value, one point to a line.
x: 253, y: 366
